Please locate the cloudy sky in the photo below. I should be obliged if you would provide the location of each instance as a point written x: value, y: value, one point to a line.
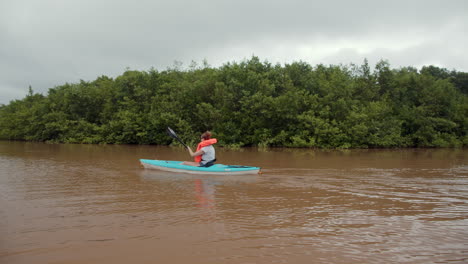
x: 44, y: 43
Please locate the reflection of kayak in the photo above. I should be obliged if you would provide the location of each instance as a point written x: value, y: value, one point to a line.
x: 176, y: 166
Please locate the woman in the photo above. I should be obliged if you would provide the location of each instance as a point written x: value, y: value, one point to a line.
x: 205, y: 155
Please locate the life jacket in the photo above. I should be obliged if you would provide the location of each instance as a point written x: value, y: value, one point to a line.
x: 203, y: 144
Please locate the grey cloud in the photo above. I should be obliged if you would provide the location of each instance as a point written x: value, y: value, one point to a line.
x: 47, y: 43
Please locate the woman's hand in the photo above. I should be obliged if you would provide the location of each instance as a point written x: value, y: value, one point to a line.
x: 190, y: 151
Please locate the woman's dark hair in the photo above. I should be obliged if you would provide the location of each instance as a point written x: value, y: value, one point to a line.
x: 206, y: 135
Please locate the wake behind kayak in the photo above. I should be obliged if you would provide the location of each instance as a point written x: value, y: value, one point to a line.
x: 176, y: 166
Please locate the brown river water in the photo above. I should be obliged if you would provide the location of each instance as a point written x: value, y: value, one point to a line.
x: 96, y: 204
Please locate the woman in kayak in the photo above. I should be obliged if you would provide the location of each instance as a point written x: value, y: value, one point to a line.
x: 205, y: 155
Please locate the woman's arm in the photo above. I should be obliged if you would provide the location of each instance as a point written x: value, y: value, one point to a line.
x: 198, y: 153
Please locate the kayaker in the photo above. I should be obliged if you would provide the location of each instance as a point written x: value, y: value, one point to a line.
x: 205, y: 154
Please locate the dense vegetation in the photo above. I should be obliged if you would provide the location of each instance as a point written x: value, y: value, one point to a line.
x: 253, y: 103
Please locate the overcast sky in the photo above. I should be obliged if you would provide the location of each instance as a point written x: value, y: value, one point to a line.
x: 45, y: 43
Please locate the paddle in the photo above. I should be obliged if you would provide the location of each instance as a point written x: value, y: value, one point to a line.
x: 174, y: 135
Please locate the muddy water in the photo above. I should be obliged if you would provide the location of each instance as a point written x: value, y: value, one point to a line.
x: 95, y: 204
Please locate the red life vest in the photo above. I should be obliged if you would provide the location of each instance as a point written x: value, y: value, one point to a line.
x: 202, y: 144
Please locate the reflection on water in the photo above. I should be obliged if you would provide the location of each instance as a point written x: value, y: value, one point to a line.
x: 95, y: 204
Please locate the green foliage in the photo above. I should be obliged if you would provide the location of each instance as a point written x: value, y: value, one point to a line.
x: 253, y: 103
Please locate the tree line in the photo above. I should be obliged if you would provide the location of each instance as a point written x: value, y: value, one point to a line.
x: 253, y: 103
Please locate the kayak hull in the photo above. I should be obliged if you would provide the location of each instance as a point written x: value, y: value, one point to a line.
x: 176, y: 166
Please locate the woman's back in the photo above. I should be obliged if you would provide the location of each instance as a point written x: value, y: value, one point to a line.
x: 209, y: 153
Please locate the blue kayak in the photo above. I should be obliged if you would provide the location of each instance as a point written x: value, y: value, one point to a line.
x: 176, y: 166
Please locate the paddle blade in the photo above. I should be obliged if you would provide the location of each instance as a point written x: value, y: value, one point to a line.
x: 174, y: 135
x: 171, y: 133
